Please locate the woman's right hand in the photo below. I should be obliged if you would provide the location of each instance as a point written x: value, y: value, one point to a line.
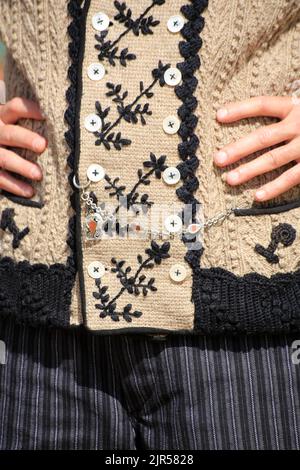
x: 13, y: 135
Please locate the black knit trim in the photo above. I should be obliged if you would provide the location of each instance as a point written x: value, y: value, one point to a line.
x: 23, y: 201
x: 253, y: 303
x: 270, y: 209
x: 35, y: 294
x: 73, y: 96
x: 189, y: 50
x: 77, y: 31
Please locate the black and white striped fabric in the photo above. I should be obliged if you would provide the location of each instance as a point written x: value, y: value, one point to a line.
x: 72, y: 390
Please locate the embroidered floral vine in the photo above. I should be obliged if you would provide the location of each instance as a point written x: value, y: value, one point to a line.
x: 131, y: 113
x: 133, y: 284
x: 108, y: 49
x: 132, y: 199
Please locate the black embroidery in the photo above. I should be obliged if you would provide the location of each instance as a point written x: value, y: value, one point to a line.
x: 108, y: 50
x: 133, y: 198
x: 23, y: 201
x: 282, y: 233
x: 8, y: 222
x: 131, y: 113
x: 131, y: 283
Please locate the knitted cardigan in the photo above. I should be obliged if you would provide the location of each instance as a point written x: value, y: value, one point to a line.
x: 102, y: 73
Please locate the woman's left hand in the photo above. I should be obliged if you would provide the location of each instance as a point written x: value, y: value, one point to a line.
x: 285, y: 132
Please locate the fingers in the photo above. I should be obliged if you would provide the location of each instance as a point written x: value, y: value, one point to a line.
x: 267, y: 162
x: 15, y: 186
x: 12, y: 162
x: 283, y: 183
x: 18, y: 108
x: 12, y: 135
x: 276, y: 106
x: 259, y: 139
x: 17, y: 136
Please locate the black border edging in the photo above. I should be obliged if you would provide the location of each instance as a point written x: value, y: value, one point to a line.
x: 74, y: 93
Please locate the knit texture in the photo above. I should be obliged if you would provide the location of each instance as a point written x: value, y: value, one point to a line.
x: 38, y: 273
x: 240, y: 278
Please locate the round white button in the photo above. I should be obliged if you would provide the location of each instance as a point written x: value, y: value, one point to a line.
x: 178, y: 272
x: 92, y: 123
x: 96, y: 269
x: 96, y: 72
x: 175, y: 23
x: 100, y: 21
x: 172, y: 76
x: 173, y: 223
x: 95, y: 172
x: 171, y: 124
x: 171, y: 175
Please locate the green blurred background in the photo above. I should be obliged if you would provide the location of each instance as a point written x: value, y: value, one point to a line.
x: 2, y: 52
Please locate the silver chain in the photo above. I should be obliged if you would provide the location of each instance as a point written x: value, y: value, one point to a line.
x: 106, y: 216
x: 85, y: 196
x: 218, y: 218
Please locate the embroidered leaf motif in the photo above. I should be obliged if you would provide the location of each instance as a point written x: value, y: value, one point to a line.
x: 109, y: 50
x: 132, y: 113
x: 155, y: 166
x: 134, y: 284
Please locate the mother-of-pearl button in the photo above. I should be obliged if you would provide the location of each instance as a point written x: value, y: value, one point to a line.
x: 95, y: 172
x: 100, y: 21
x: 173, y: 223
x: 172, y: 76
x: 171, y: 124
x: 178, y: 272
x: 96, y: 72
x: 92, y: 123
x: 96, y: 269
x: 175, y: 23
x: 171, y: 175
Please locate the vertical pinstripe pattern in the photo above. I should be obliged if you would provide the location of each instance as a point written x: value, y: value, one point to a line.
x: 71, y: 390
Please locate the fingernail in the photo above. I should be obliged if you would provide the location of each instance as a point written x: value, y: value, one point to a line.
x: 221, y: 113
x: 43, y: 114
x: 233, y: 177
x: 260, y: 194
x: 224, y: 177
x: 36, y: 173
x: 220, y: 157
x: 28, y: 192
x: 39, y: 144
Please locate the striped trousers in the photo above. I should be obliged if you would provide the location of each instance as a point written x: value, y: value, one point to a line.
x: 73, y: 390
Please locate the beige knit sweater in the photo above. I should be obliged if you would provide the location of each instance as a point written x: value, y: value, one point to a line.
x: 249, y: 48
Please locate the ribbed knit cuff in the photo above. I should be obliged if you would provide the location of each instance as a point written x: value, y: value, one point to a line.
x: 250, y: 304
x: 35, y: 294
